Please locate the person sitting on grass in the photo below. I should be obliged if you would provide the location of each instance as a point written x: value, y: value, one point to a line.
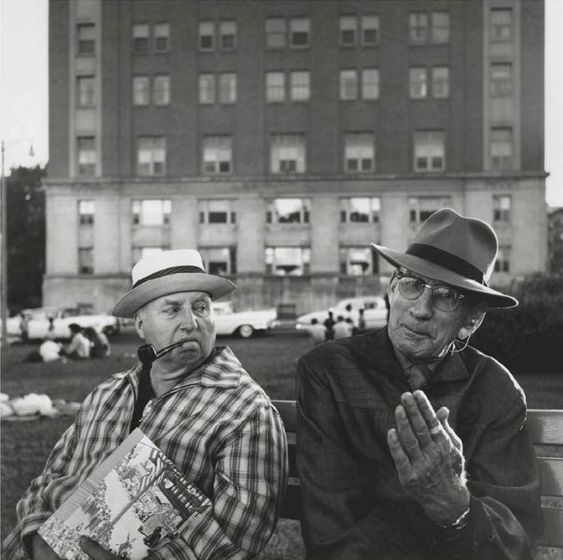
x: 79, y: 346
x: 196, y: 402
x: 411, y: 444
x: 99, y: 343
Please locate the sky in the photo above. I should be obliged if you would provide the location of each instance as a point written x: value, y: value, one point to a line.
x: 24, y: 88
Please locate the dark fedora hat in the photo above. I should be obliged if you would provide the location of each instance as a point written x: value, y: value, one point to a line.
x: 169, y: 272
x: 456, y: 250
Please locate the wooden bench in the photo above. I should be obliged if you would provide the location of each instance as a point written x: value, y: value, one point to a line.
x: 546, y: 430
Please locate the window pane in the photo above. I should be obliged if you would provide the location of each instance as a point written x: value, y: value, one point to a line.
x: 86, y: 210
x: 359, y: 152
x: 300, y: 86
x: 370, y: 30
x: 141, y: 92
x: 86, y: 91
x: 275, y: 33
x: 151, y: 155
x: 299, y: 29
x: 440, y: 27
x: 288, y: 153
x: 217, y: 154
x: 162, y: 90
x: 227, y: 88
x: 501, y: 80
x: 356, y: 261
x: 287, y: 261
x: 348, y: 85
x: 440, y: 81
x: 501, y: 148
x: 370, y: 83
x: 429, y: 151
x: 228, y: 35
x: 501, y: 24
x: 206, y: 35
x: 418, y: 81
x: 86, y: 260
x: 418, y: 27
x: 348, y: 30
x: 86, y: 34
x: 86, y: 148
x: 161, y: 37
x: 207, y: 88
x: 275, y: 87
x: 141, y: 38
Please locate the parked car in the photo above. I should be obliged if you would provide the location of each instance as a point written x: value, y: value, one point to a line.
x: 243, y: 323
x: 375, y: 312
x: 42, y: 321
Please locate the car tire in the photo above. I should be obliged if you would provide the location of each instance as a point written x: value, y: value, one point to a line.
x: 246, y: 331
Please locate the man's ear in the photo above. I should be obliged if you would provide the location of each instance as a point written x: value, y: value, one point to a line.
x: 139, y: 325
x: 473, y: 322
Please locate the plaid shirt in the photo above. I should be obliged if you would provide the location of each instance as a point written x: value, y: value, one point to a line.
x: 354, y: 505
x: 217, y: 425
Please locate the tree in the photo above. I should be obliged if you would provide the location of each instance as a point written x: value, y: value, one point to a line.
x: 25, y: 237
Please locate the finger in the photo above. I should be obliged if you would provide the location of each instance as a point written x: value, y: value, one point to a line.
x: 444, y: 420
x: 400, y: 458
x: 418, y: 423
x: 407, y: 439
x: 430, y: 417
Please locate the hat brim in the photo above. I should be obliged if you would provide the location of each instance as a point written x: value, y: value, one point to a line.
x: 150, y: 290
x: 493, y: 298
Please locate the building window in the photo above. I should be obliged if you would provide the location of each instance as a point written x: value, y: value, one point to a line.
x: 501, y: 24
x: 289, y: 211
x: 501, y: 79
x: 440, y: 82
x: 370, y: 30
x: 348, y: 85
x: 275, y: 87
x: 348, y: 30
x: 86, y: 148
x: 288, y: 261
x: 418, y: 83
x: 359, y: 152
x: 440, y: 29
x: 216, y: 211
x: 141, y: 33
x: 227, y: 88
x: 501, y: 208
x: 429, y: 151
x: 357, y: 261
x: 361, y: 210
x: 502, y: 262
x: 86, y: 91
x: 220, y: 261
x: 150, y: 212
x: 206, y: 36
x: 418, y: 27
x: 151, y: 155
x: 370, y: 83
x: 161, y: 37
x: 207, y: 88
x: 217, y: 155
x: 501, y: 148
x: 300, y: 86
x: 139, y: 253
x: 86, y: 210
x: 86, y: 38
x: 299, y: 31
x: 421, y: 208
x: 161, y: 90
x: 275, y: 33
x: 228, y: 35
x: 288, y: 153
x: 85, y: 260
x: 141, y: 90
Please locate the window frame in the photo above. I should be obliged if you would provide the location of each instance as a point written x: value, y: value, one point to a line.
x: 281, y: 142
x: 86, y: 159
x: 217, y: 144
x: 152, y: 149
x: 428, y: 147
x: 157, y: 36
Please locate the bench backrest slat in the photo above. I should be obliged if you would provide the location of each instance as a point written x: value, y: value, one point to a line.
x: 545, y: 428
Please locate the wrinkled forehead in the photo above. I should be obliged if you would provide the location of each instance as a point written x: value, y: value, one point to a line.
x: 177, y: 298
x: 403, y: 271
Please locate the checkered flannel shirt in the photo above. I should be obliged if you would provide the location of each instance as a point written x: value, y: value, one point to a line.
x: 218, y: 426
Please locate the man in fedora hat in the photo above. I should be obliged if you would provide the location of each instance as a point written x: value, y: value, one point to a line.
x: 195, y: 402
x: 412, y: 444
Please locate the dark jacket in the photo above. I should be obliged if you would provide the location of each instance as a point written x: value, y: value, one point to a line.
x: 354, y: 505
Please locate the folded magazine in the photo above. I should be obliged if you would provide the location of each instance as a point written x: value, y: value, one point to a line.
x: 131, y: 503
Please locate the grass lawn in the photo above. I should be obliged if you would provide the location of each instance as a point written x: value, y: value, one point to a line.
x: 271, y: 360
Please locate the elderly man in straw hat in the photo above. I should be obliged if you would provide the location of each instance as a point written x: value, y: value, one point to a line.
x: 195, y: 401
x: 412, y: 444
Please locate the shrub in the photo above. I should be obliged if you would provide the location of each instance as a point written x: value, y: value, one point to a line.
x: 529, y: 338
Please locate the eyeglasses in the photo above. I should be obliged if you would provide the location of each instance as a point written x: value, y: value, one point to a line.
x: 444, y: 298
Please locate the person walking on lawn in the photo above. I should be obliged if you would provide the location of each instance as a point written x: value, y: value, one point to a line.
x: 196, y: 402
x: 412, y: 444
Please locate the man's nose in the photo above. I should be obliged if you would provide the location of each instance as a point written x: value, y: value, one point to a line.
x: 188, y: 320
x: 422, y: 306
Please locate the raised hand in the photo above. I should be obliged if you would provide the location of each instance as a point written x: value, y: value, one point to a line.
x: 428, y: 456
